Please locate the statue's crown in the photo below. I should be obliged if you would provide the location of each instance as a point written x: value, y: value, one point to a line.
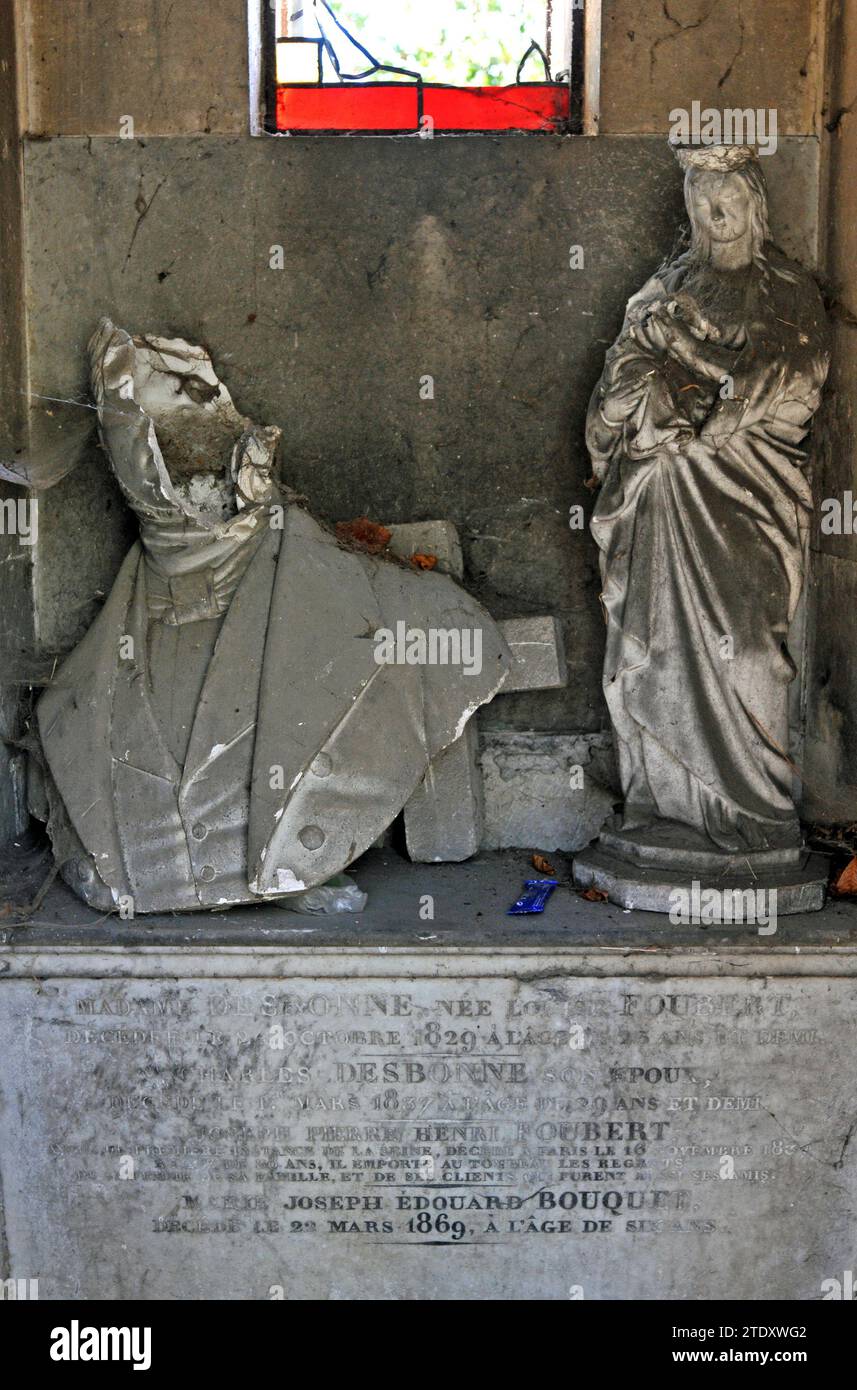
x: 722, y: 158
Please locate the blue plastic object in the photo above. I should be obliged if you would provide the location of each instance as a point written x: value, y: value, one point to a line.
x: 538, y: 890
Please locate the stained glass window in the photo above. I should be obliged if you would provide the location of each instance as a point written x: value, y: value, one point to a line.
x: 423, y: 66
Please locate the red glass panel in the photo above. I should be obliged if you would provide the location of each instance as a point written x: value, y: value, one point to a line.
x: 379, y: 106
x: 375, y: 106
x: 519, y: 107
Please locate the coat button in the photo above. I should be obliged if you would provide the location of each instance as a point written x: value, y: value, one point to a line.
x: 207, y: 873
x: 321, y: 765
x: 199, y: 831
x: 311, y: 837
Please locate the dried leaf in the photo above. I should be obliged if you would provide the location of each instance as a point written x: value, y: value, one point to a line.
x: 543, y: 866
x: 424, y: 562
x: 846, y: 884
x: 368, y: 535
x: 594, y: 895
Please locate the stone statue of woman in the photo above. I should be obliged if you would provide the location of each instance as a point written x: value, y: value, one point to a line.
x: 694, y: 431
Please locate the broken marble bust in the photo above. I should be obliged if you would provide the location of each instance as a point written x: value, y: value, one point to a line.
x: 227, y: 732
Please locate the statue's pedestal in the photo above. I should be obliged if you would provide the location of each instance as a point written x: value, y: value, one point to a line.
x: 593, y: 1103
x: 664, y: 871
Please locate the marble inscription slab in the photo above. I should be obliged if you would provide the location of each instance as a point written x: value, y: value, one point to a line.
x: 429, y: 1139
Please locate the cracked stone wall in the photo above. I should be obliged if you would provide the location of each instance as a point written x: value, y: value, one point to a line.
x: 401, y: 258
x: 661, y: 54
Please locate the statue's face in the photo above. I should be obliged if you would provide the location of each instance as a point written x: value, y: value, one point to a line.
x: 217, y: 459
x: 196, y: 422
x: 720, y: 206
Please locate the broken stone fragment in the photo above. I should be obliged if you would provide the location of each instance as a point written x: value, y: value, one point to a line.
x: 552, y: 790
x: 438, y: 538
x: 538, y: 655
x: 444, y: 817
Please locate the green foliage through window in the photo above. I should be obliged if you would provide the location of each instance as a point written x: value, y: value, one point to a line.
x: 462, y: 42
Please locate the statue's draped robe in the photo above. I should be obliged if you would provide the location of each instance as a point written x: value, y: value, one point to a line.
x: 702, y: 561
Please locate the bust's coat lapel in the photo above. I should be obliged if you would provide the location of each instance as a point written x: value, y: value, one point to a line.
x: 229, y: 699
x: 319, y: 659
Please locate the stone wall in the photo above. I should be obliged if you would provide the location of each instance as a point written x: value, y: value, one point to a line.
x: 402, y: 258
